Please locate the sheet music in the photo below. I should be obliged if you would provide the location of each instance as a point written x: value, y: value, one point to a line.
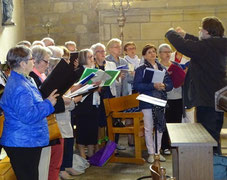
x: 158, y: 76
x: 152, y: 100
x: 154, y: 75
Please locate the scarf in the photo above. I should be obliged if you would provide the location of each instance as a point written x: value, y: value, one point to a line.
x: 134, y: 61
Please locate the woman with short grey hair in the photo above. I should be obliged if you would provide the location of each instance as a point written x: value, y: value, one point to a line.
x: 41, y: 56
x: 25, y: 130
x: 96, y: 46
x: 85, y: 58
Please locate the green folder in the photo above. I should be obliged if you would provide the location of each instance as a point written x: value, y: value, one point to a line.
x: 113, y: 73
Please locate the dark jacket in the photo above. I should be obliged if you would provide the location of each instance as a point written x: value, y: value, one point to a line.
x: 207, y: 69
x: 148, y: 88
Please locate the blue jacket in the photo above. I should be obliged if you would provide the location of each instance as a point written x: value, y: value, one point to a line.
x: 148, y: 88
x: 25, y: 124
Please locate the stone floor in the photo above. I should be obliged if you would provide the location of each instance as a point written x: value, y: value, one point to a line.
x: 121, y: 171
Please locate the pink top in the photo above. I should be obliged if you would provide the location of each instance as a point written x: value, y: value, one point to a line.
x: 41, y: 76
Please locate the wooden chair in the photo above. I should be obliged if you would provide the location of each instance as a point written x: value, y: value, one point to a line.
x: 114, y: 108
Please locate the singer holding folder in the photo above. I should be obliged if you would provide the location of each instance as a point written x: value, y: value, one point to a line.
x: 25, y: 130
x: 87, y: 112
x: 157, y: 90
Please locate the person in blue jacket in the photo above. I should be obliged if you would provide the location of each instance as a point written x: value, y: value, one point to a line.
x: 157, y: 90
x: 25, y: 129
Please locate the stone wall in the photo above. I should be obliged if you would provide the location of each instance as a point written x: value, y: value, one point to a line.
x: 90, y: 21
x: 148, y: 20
x: 75, y: 20
x: 10, y: 35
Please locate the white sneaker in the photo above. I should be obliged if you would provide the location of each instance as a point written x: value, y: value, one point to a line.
x: 65, y: 176
x: 150, y: 159
x: 119, y: 147
x: 162, y: 158
x: 166, y: 152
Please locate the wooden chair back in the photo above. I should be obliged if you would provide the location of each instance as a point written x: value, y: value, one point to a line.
x: 114, y: 108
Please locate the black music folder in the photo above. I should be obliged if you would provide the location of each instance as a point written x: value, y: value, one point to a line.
x: 61, y: 78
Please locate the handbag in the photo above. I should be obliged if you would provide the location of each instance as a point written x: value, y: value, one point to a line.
x: 1, y: 124
x: 103, y: 155
x: 54, y: 131
x: 221, y: 100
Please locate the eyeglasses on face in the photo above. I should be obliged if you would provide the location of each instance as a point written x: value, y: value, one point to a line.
x: 132, y: 48
x: 101, y: 51
x: 166, y: 52
x: 89, y: 57
x: 47, y: 62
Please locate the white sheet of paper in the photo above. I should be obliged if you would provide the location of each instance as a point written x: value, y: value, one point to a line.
x: 152, y: 100
x: 158, y: 76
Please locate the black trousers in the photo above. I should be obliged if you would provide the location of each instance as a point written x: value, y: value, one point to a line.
x: 212, y: 121
x: 173, y: 114
x: 67, y: 161
x: 25, y: 162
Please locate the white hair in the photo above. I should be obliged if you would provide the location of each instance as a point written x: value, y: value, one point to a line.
x: 164, y: 45
x: 41, y: 43
x: 97, y: 45
x: 47, y: 41
x: 70, y: 43
x: 57, y: 52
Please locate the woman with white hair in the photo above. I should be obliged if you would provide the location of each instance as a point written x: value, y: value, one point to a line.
x: 71, y: 46
x: 35, y: 43
x: 114, y: 50
x: 174, y: 112
x: 48, y: 41
x: 99, y: 51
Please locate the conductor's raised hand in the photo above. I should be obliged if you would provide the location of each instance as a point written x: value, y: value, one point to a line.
x: 180, y: 31
x: 53, y: 97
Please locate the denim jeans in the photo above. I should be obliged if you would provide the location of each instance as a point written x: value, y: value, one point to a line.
x: 212, y: 122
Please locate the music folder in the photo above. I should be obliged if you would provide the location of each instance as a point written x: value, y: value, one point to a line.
x: 61, y: 78
x: 83, y: 91
x: 177, y: 75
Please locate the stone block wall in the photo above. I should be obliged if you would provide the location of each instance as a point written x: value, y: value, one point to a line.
x: 75, y: 20
x: 91, y: 21
x: 148, y: 20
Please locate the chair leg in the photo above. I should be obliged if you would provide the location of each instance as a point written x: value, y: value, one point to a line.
x: 138, y: 149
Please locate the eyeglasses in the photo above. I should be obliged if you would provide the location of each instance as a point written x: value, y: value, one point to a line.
x: 89, y: 57
x: 166, y: 52
x: 117, y: 47
x: 47, y: 62
x: 100, y: 51
x: 129, y: 49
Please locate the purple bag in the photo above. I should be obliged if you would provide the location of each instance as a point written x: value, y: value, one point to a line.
x: 103, y: 155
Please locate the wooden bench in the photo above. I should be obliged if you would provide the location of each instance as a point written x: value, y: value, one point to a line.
x: 114, y: 108
x: 6, y: 170
x: 192, y: 151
